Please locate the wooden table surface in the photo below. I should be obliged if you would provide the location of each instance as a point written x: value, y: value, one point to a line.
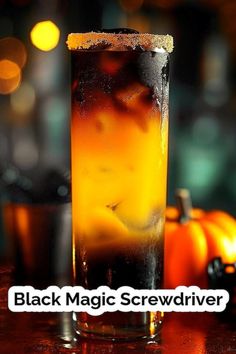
x: 188, y: 333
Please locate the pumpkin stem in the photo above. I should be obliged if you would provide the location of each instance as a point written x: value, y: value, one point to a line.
x: 184, y: 204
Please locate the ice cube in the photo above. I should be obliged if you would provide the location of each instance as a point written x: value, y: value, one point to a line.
x: 137, y: 100
x: 102, y: 228
x: 132, y: 96
x: 110, y: 63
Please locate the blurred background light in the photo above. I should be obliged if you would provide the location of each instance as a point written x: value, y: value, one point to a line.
x: 10, y: 76
x: 14, y: 50
x: 25, y: 150
x: 138, y: 21
x: 131, y: 5
x: 8, y: 69
x: 45, y: 35
x: 22, y: 101
x: 113, y: 15
x: 200, y: 170
x: 25, y: 154
x: 46, y: 71
x: 202, y: 157
x: 206, y: 130
x: 54, y: 112
x: 215, y: 71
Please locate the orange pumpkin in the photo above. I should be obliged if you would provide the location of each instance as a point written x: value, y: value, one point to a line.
x: 194, y: 237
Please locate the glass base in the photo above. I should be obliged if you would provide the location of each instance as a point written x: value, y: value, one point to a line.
x: 118, y: 326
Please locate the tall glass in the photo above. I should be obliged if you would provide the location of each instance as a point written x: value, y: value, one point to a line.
x: 119, y: 165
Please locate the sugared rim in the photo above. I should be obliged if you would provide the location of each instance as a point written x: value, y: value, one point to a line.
x: 111, y: 41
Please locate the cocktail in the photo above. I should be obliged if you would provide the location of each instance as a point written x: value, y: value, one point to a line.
x: 119, y: 164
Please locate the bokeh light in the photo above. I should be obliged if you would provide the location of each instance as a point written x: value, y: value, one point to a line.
x: 10, y: 76
x: 8, y: 69
x: 200, y: 168
x: 54, y: 113
x: 14, y: 50
x: 45, y: 35
x: 46, y: 75
x: 139, y: 22
x: 25, y: 152
x: 22, y: 101
x: 206, y: 130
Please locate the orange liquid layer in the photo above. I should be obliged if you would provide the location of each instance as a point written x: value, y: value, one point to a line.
x: 118, y: 173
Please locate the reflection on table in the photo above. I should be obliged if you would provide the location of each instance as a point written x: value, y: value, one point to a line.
x: 182, y: 333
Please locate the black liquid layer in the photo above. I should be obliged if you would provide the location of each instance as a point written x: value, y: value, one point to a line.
x: 139, y: 265
x: 107, y: 73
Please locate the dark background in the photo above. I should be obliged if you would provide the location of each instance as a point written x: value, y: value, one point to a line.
x: 34, y: 118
